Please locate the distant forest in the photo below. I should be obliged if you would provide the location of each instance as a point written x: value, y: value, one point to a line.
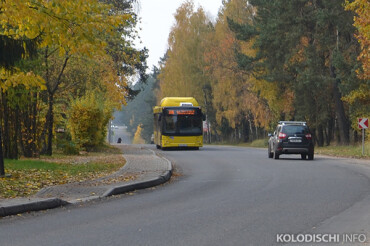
x: 138, y: 113
x: 261, y: 62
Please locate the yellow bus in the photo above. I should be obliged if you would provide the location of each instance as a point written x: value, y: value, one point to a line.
x: 178, y: 122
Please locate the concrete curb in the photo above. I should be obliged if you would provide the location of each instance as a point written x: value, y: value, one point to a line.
x: 138, y: 186
x: 38, y: 205
x: 17, y: 207
x: 143, y: 184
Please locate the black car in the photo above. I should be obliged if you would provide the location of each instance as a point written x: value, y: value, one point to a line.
x: 291, y: 137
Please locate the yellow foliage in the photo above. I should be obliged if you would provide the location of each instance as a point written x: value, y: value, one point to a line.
x: 362, y: 94
x: 359, y: 100
x: 138, y: 139
x: 12, y: 79
x: 70, y: 25
x: 236, y: 92
x: 362, y: 23
x: 183, y: 75
x: 97, y: 73
x: 87, y: 121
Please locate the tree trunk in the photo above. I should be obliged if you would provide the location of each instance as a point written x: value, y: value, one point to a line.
x: 15, y: 136
x: 50, y: 123
x: 341, y: 116
x: 20, y: 133
x: 314, y: 135
x: 330, y: 131
x: 35, y: 151
x: 6, y: 126
x: 343, y: 124
x: 2, y: 169
x: 250, y: 130
x: 320, y: 136
x: 52, y: 89
x: 355, y: 137
x: 27, y: 150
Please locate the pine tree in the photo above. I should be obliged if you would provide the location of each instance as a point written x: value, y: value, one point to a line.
x: 306, y: 47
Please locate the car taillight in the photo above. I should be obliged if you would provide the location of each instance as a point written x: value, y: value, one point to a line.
x: 308, y: 136
x: 282, y: 135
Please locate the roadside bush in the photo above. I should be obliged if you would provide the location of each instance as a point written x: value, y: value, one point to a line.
x: 259, y: 143
x: 70, y: 148
x: 138, y: 138
x: 87, y: 121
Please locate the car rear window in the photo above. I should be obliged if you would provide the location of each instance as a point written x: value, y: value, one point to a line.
x: 295, y: 129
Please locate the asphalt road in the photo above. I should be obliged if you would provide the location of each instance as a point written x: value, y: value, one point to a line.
x: 225, y: 196
x: 122, y: 133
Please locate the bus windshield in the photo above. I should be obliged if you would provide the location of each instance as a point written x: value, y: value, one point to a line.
x: 183, y: 122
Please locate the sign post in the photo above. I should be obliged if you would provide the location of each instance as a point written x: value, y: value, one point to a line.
x: 363, y: 123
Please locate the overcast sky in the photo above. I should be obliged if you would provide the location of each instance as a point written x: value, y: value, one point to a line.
x: 157, y: 20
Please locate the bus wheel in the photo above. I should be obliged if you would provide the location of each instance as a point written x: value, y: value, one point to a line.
x: 158, y: 147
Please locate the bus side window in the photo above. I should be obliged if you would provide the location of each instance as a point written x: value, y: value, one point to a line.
x: 160, y: 124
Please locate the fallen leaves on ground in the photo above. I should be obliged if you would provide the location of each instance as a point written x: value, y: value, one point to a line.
x: 26, y: 181
x: 114, y: 180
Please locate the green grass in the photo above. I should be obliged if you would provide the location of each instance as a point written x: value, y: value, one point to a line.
x: 259, y: 143
x: 105, y: 148
x: 350, y: 151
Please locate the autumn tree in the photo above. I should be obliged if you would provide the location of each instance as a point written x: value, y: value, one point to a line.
x: 128, y: 61
x: 359, y: 98
x: 12, y: 49
x: 362, y: 23
x: 7, y: 60
x: 238, y: 108
x: 68, y: 29
x: 83, y: 34
x: 138, y: 138
x: 307, y: 47
x: 183, y: 71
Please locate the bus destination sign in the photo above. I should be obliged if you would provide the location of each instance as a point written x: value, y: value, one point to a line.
x: 182, y: 112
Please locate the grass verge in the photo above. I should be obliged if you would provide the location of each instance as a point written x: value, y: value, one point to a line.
x: 28, y: 176
x: 259, y: 143
x: 350, y: 151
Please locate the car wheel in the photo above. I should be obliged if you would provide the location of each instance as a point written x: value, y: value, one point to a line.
x: 303, y: 156
x: 310, y: 156
x: 269, y: 153
x: 276, y: 155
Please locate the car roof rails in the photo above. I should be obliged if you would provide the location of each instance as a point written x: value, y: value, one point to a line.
x: 292, y: 123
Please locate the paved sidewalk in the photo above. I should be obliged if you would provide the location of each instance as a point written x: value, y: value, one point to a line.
x: 143, y: 169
